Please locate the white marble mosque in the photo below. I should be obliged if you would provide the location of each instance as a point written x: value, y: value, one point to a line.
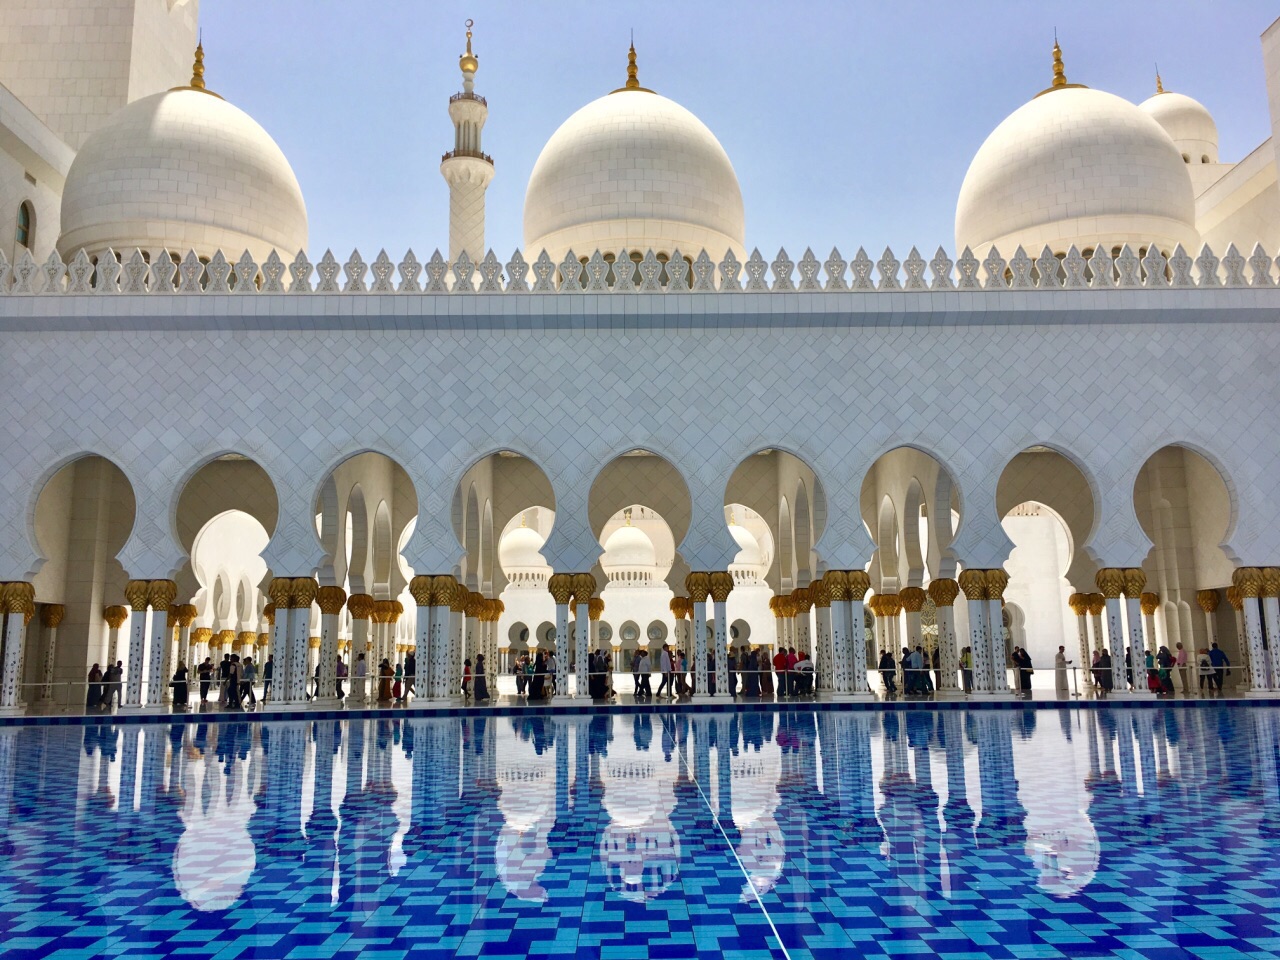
x: 1057, y: 433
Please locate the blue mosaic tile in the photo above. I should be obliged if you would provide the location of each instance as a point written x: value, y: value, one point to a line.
x: 801, y: 832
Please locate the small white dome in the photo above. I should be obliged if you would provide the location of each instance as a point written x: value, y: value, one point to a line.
x: 633, y: 171
x: 1188, y: 122
x: 521, y: 550
x: 182, y: 170
x: 1076, y: 166
x: 628, y: 547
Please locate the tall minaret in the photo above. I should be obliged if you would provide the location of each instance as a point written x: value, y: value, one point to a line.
x: 466, y: 168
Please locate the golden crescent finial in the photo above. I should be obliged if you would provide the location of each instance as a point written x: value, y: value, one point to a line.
x: 1059, y: 71
x: 469, y: 62
x: 633, y: 78
x: 197, y: 72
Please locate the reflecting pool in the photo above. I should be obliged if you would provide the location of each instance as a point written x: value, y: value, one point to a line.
x: 982, y: 833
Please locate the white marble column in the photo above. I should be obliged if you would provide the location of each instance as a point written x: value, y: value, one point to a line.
x: 420, y: 590
x: 160, y: 594
x: 1150, y: 604
x: 18, y: 601
x: 331, y: 601
x: 1248, y: 580
x: 186, y: 617
x: 1110, y: 581
x: 136, y: 592
x: 584, y: 588
x: 859, y: 584
x: 561, y: 587
x: 822, y: 645
x: 944, y: 592
x: 699, y: 587
x: 721, y: 586
x: 115, y: 617
x: 1080, y: 607
x: 437, y: 647
x: 51, y: 615
x: 997, y: 580
x: 304, y: 594
x: 974, y: 585
x: 1134, y: 581
x: 1271, y: 617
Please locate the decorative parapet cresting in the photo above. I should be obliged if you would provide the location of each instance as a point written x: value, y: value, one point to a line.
x: 628, y: 272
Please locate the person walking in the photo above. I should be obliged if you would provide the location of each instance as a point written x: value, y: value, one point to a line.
x: 179, y: 685
x: 1182, y: 675
x: 732, y: 665
x: 966, y: 669
x: 93, y: 695
x: 410, y: 675
x: 1204, y: 667
x: 644, y: 690
x: 385, y: 673
x: 1221, y: 666
x: 248, y: 676
x: 1105, y: 677
x: 780, y: 668
x: 205, y: 672
x: 340, y: 674
x: 362, y: 676
x: 887, y: 669
x: 664, y: 665
x: 482, y: 686
x: 1164, y: 670
x: 539, y: 680
x: 550, y: 686
x: 1060, y: 663
x: 751, y: 672
x: 268, y: 673
x: 397, y: 685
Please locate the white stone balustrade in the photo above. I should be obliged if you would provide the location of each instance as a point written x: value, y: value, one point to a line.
x: 623, y: 273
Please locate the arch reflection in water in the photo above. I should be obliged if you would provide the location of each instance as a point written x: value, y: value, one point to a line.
x: 671, y: 834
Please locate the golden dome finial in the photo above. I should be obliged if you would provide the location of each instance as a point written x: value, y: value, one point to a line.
x: 524, y: 519
x: 627, y: 514
x: 1059, y: 72
x: 197, y: 73
x: 633, y: 72
x: 197, y: 69
x: 732, y: 521
x: 469, y: 62
x: 1159, y: 82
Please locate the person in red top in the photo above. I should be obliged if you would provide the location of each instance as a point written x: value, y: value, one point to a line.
x: 793, y: 678
x: 780, y: 668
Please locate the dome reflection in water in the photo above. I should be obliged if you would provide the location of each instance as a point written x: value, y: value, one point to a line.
x: 974, y: 831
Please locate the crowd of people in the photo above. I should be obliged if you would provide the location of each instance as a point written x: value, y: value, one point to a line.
x: 752, y: 672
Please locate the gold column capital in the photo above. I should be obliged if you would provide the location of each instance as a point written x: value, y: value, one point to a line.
x: 943, y: 592
x: 360, y: 606
x: 269, y: 614
x: 1248, y: 580
x: 1235, y: 597
x: 115, y: 616
x: 801, y: 601
x: 1135, y: 581
x: 681, y: 607
x: 201, y: 635
x: 1271, y: 581
x: 1079, y: 604
x: 721, y: 585
x: 996, y: 580
x: 51, y: 614
x: 420, y: 590
x: 584, y: 588
x: 280, y: 590
x: 303, y: 593
x: 331, y: 600
x: 1150, y: 603
x: 973, y: 583
x: 912, y: 599
x: 136, y: 593
x: 160, y: 594
x: 859, y: 584
x: 595, y: 608
x: 1110, y: 581
x: 698, y: 585
x: 560, y: 585
x: 837, y: 584
x: 1208, y: 600
x: 1096, y: 603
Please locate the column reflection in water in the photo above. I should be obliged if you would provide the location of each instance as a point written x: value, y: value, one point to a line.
x: 645, y: 830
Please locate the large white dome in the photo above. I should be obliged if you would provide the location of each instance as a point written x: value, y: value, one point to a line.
x: 182, y: 170
x: 628, y: 547
x: 521, y: 550
x: 633, y: 171
x: 1076, y: 166
x: 1188, y: 123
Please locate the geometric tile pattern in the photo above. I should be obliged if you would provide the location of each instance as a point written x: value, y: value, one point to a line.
x: 818, y: 834
x: 435, y: 382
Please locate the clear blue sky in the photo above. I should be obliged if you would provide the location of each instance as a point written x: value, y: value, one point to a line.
x: 848, y: 123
